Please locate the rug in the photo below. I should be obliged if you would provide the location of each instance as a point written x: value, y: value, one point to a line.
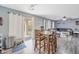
x: 18, y: 48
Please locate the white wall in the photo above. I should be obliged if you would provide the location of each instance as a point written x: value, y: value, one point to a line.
x: 4, y: 27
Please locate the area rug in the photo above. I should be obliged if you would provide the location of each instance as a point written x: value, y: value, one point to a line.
x: 18, y: 48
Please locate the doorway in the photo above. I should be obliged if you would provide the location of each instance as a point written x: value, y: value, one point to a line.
x: 28, y: 27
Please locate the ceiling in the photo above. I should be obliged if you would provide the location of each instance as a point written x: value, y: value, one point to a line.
x: 51, y: 11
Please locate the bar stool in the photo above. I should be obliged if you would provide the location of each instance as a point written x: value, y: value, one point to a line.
x: 39, y: 40
x: 54, y: 41
x: 50, y: 43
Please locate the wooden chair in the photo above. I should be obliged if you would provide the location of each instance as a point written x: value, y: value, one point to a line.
x: 39, y: 38
x: 54, y: 41
x: 51, y: 43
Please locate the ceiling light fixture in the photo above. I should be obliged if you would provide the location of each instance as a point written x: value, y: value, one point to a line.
x: 32, y: 6
x: 64, y: 18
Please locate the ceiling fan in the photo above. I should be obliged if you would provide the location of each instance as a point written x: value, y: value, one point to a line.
x: 32, y: 6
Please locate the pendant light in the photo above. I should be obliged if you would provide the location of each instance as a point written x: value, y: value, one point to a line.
x: 64, y: 18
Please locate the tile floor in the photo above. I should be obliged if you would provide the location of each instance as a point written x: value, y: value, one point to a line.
x: 65, y: 45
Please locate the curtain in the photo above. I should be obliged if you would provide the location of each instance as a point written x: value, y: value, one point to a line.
x: 11, y: 24
x: 46, y: 25
x: 16, y: 25
x: 20, y: 26
x: 49, y: 24
x: 52, y: 24
x: 24, y: 26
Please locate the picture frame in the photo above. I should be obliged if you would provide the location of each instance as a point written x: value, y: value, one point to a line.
x: 1, y: 21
